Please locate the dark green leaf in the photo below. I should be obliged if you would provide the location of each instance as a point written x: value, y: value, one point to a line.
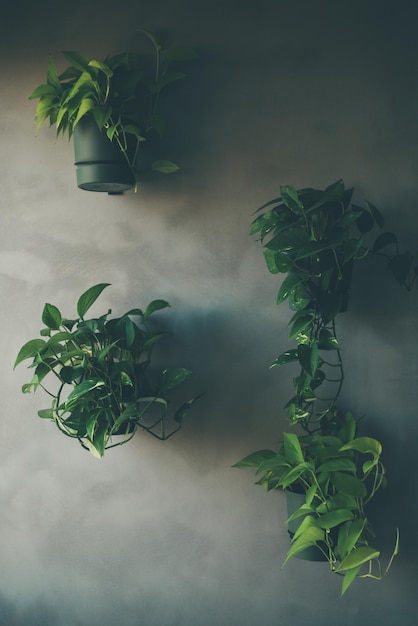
x: 155, y: 305
x: 51, y: 317
x: 277, y: 262
x: 327, y: 341
x: 81, y: 390
x: 173, y: 377
x: 29, y: 350
x: 181, y: 412
x: 383, y: 240
x: 376, y: 214
x: 286, y: 357
x: 348, y: 485
x: 287, y: 287
x: 88, y: 298
x: 309, y: 358
x: 77, y: 60
x: 400, y: 266
x: 365, y: 223
x: 301, y: 324
x: 290, y: 198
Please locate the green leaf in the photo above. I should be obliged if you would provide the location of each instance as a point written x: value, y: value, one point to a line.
x: 349, y: 578
x: 301, y: 324
x: 333, y: 518
x: 337, y: 465
x: 51, y: 317
x: 173, y: 377
x: 308, y: 358
x: 292, y: 476
x: 376, y: 214
x: 155, y: 305
x: 358, y: 557
x: 91, y: 423
x: 310, y: 537
x: 286, y: 357
x: 151, y: 37
x: 290, y: 198
x: 87, y: 104
x: 42, y: 91
x: 166, y: 167
x: 133, y: 130
x: 327, y: 341
x: 81, y: 390
x: 383, y: 240
x: 46, y: 414
x: 88, y: 298
x: 366, y: 445
x: 400, y: 266
x: 348, y: 535
x: 277, y: 262
x: 102, y: 67
x: 77, y: 60
x: 29, y: 350
x: 348, y: 485
x: 52, y: 76
x: 255, y: 459
x: 181, y: 412
x: 68, y: 374
x: 292, y: 448
x: 287, y: 287
x: 365, y: 222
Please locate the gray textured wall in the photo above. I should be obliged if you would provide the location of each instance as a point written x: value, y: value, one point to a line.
x: 168, y: 534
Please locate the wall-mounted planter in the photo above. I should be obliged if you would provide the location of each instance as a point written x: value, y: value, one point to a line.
x: 101, y: 166
x: 93, y: 100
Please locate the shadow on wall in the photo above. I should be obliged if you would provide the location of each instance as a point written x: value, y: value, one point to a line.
x: 229, y: 355
x: 35, y: 614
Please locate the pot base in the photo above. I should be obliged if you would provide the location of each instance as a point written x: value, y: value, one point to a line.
x: 113, y: 178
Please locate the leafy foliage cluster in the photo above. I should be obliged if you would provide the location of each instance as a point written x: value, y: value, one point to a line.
x: 314, y: 237
x: 121, y: 93
x: 101, y: 384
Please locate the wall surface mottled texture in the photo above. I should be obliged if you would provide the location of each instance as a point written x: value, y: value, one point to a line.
x: 168, y: 534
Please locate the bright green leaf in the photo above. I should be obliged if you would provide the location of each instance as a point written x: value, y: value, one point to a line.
x: 358, y: 557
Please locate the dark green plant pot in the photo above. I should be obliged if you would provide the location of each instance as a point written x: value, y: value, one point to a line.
x: 294, y: 502
x: 101, y: 166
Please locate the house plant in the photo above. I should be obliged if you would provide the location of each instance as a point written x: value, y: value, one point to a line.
x: 114, y: 106
x: 314, y: 237
x: 98, y: 375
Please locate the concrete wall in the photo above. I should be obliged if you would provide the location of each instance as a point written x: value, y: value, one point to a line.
x: 168, y: 534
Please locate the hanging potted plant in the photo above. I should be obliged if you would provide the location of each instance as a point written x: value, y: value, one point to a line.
x: 98, y: 375
x: 111, y: 109
x: 314, y: 237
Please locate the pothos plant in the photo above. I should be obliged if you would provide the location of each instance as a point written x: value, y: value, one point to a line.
x: 122, y: 94
x: 314, y: 237
x: 98, y: 375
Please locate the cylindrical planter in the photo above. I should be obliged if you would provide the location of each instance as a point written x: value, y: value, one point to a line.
x: 101, y: 166
x: 294, y: 501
